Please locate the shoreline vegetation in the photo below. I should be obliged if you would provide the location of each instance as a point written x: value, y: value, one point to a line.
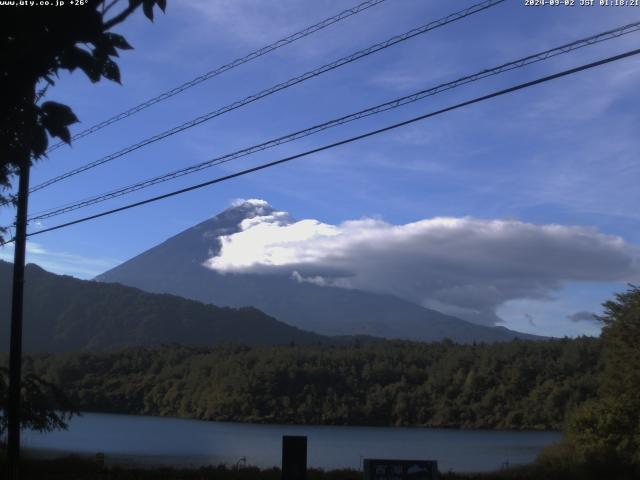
x: 312, y: 425
x: 76, y: 467
x: 518, y: 385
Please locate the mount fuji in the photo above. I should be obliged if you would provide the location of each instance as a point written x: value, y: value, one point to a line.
x: 177, y: 266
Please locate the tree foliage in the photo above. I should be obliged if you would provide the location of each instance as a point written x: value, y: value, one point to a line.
x: 36, y: 44
x: 606, y: 430
x: 44, y: 407
x: 512, y: 385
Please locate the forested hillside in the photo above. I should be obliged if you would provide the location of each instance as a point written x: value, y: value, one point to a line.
x: 514, y: 385
x: 63, y: 313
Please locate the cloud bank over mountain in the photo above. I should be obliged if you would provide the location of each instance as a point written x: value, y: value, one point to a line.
x: 466, y: 267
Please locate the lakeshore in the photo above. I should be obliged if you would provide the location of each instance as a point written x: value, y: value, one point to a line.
x: 142, y: 441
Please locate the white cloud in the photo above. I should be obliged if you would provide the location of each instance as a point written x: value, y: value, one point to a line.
x: 258, y: 23
x: 464, y: 266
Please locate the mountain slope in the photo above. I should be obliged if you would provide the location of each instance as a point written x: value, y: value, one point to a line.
x: 62, y: 313
x: 175, y: 266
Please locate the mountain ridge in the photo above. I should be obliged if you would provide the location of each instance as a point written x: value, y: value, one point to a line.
x: 175, y: 266
x: 63, y: 314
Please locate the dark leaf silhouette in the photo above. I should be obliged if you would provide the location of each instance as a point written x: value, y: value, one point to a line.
x: 40, y: 141
x: 111, y: 71
x: 59, y: 113
x: 56, y: 118
x: 35, y: 48
x: 147, y: 7
x: 118, y: 41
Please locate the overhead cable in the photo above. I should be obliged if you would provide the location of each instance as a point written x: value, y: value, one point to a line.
x: 217, y: 71
x: 528, y: 60
x: 276, y: 88
x: 498, y: 93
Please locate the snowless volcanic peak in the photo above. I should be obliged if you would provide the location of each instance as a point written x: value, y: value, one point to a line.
x: 179, y: 265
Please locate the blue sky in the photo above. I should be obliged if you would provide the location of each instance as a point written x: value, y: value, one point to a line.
x: 561, y: 153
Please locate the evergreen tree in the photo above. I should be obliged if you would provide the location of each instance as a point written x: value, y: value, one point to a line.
x: 605, y: 432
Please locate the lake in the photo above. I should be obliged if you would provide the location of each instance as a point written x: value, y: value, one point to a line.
x: 140, y: 440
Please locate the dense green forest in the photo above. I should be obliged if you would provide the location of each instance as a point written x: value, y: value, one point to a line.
x: 513, y: 385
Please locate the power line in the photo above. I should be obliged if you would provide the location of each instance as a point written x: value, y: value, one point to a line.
x: 537, y: 57
x: 276, y: 88
x: 346, y: 141
x: 214, y: 73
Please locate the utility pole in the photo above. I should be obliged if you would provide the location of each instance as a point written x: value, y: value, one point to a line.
x: 15, y: 348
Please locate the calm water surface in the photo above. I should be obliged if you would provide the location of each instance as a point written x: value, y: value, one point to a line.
x: 139, y: 440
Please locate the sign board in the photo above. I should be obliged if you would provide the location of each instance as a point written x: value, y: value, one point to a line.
x: 378, y: 469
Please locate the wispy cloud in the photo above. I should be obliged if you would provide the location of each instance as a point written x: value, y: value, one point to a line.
x: 583, y: 316
x: 63, y: 263
x: 255, y: 24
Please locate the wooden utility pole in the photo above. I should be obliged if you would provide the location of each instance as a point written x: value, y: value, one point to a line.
x: 15, y: 348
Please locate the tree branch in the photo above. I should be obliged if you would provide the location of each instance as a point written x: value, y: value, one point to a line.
x: 121, y: 17
x: 106, y: 8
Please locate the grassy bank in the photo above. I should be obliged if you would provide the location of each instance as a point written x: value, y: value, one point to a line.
x: 78, y: 468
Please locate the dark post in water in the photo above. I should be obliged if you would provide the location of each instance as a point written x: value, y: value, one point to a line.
x: 294, y: 457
